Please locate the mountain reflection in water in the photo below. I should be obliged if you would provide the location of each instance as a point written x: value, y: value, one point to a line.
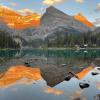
x: 25, y: 78
x: 17, y: 77
x: 52, y: 78
x: 45, y: 79
x: 16, y: 73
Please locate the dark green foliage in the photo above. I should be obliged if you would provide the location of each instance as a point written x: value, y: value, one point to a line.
x: 6, y: 41
x: 71, y: 39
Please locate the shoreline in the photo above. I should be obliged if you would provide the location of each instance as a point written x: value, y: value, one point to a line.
x: 50, y: 49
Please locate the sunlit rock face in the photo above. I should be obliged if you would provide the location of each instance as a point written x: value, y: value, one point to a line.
x: 17, y: 21
x: 83, y: 19
x: 16, y: 73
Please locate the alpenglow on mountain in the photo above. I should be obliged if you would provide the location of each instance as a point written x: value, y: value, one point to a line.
x: 52, y: 22
x: 83, y: 19
x: 14, y: 20
x: 17, y: 21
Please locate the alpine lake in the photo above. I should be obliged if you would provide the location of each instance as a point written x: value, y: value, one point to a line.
x: 38, y: 74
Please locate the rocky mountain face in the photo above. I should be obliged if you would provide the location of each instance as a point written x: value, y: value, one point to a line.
x: 54, y: 18
x: 97, y: 30
x: 52, y: 23
x: 55, y: 22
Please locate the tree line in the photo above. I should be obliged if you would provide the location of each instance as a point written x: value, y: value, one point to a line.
x: 70, y: 40
x: 61, y: 39
x: 7, y: 41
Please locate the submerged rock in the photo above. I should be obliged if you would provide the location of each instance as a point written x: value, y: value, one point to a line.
x: 63, y: 65
x: 94, y: 73
x: 98, y: 68
x: 84, y: 85
x: 27, y: 64
x: 68, y: 78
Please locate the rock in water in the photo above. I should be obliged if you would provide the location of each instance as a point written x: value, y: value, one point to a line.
x: 27, y: 64
x: 84, y: 85
x: 63, y: 65
x: 68, y: 78
x: 94, y: 73
x: 98, y: 68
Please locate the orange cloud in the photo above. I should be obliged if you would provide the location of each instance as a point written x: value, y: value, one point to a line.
x: 75, y: 95
x: 98, y: 85
x: 53, y: 91
x: 79, y: 1
x: 51, y: 2
x: 98, y: 6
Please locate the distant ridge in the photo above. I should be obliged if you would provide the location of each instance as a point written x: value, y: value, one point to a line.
x: 83, y: 19
x: 17, y: 21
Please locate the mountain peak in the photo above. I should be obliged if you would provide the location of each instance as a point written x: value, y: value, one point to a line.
x: 54, y: 11
x: 51, y: 8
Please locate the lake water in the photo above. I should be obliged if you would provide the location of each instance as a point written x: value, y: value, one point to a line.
x: 46, y: 82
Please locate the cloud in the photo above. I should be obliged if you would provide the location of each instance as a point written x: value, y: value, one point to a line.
x: 98, y: 86
x: 97, y: 22
x: 13, y: 4
x: 52, y: 2
x: 53, y: 91
x: 25, y: 11
x: 98, y: 7
x: 79, y: 1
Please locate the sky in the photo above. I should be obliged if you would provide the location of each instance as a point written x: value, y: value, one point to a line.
x: 89, y: 8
